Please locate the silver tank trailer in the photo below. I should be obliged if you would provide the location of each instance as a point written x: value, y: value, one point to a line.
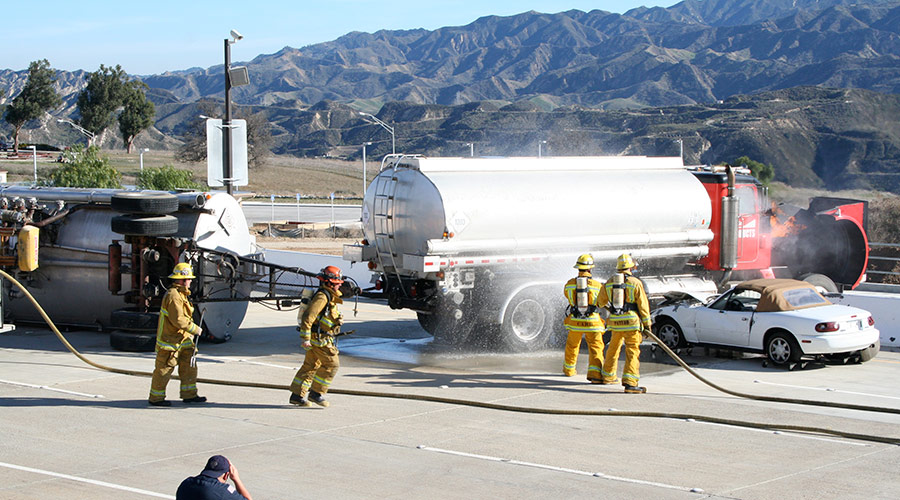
x: 71, y: 282
x: 492, y: 234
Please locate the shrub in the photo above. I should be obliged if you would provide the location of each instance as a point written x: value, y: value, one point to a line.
x: 167, y: 178
x: 85, y: 168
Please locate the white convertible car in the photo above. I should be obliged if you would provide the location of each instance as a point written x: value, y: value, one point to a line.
x: 783, y: 318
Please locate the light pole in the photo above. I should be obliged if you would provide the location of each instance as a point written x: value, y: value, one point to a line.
x: 87, y: 133
x: 142, y: 151
x: 539, y: 147
x: 226, y: 122
x: 384, y: 126
x: 364, y: 167
x: 680, y: 148
x: 34, y: 157
x: 471, y: 148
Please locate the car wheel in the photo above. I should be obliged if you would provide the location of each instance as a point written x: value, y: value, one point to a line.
x: 782, y: 348
x: 870, y: 352
x: 670, y: 333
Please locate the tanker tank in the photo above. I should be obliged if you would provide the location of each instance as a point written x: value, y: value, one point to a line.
x: 73, y: 278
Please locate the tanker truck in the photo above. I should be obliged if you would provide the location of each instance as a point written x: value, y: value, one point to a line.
x: 481, y: 247
x: 100, y: 259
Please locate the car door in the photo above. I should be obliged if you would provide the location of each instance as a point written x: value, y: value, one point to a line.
x: 727, y: 321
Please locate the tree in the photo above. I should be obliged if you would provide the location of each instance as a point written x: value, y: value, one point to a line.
x: 85, y: 168
x: 765, y: 173
x: 137, y: 113
x: 105, y: 92
x: 167, y: 178
x: 36, y: 98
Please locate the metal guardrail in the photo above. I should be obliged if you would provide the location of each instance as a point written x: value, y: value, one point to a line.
x: 869, y: 269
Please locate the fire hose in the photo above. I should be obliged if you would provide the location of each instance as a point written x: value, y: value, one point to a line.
x: 524, y: 409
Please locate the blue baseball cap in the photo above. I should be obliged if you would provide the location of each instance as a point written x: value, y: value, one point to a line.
x: 216, y: 466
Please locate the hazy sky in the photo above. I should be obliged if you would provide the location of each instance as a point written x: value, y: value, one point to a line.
x: 149, y: 37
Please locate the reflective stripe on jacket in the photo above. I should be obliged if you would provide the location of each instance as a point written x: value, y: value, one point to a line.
x: 176, y: 327
x: 322, y: 319
x: 635, y: 317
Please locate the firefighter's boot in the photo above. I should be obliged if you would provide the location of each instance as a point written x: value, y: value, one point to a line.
x: 298, y: 400
x: 160, y: 403
x: 635, y: 389
x: 195, y: 399
x: 318, y: 399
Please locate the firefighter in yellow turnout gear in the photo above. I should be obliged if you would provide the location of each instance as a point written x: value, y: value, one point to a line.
x: 583, y: 320
x: 624, y: 296
x: 318, y: 326
x: 175, y: 342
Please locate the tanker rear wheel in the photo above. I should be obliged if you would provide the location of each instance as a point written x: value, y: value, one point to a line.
x: 820, y: 281
x: 445, y: 329
x: 528, y: 323
x: 144, y: 203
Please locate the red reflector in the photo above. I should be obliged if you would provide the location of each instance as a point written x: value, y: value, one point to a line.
x: 372, y: 265
x: 378, y: 285
x: 806, y: 341
x: 871, y: 321
x: 440, y: 275
x: 412, y: 291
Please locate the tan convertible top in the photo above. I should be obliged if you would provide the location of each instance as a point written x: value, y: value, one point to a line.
x: 772, y: 294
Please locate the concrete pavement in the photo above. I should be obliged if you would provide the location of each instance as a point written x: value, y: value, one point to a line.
x: 71, y: 431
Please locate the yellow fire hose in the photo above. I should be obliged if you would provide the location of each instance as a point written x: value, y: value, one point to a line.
x: 524, y: 409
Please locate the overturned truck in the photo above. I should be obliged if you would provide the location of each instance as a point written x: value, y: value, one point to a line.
x: 100, y: 258
x: 480, y: 247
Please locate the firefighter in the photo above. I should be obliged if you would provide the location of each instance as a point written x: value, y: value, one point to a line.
x: 583, y: 320
x: 175, y: 340
x: 624, y: 296
x: 319, y: 324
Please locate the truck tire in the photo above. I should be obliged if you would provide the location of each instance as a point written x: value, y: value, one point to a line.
x: 152, y: 225
x: 144, y: 203
x: 445, y: 329
x: 132, y: 341
x: 820, y: 281
x: 528, y: 322
x: 133, y: 320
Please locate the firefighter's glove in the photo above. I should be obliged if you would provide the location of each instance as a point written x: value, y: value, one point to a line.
x: 306, y: 345
x: 646, y: 333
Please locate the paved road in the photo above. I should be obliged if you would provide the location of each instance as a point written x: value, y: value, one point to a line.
x: 256, y: 212
x: 71, y: 431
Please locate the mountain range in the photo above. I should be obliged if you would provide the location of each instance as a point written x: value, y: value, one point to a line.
x: 695, y: 55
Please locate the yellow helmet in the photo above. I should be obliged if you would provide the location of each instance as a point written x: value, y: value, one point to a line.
x: 584, y: 262
x: 624, y: 262
x: 182, y: 271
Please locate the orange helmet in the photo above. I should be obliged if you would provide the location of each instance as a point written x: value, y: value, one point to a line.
x: 331, y: 274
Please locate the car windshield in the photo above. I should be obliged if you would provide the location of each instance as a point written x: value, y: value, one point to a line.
x: 803, y: 297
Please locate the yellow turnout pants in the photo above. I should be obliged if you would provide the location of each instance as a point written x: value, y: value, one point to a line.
x: 631, y: 374
x: 166, y: 361
x: 594, y: 341
x: 319, y: 368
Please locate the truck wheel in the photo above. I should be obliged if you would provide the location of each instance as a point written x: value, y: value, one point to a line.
x: 870, y: 352
x: 445, y: 329
x: 132, y: 341
x: 144, y: 203
x: 130, y: 319
x: 527, y: 323
x: 782, y: 349
x: 136, y: 225
x: 820, y: 281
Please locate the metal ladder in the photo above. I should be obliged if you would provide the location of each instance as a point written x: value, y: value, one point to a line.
x: 383, y: 221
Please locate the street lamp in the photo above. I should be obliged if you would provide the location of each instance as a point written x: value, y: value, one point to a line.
x: 34, y: 157
x: 384, y: 126
x: 87, y: 133
x: 471, y: 148
x: 539, y: 147
x: 142, y: 151
x: 238, y: 77
x: 364, y: 167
